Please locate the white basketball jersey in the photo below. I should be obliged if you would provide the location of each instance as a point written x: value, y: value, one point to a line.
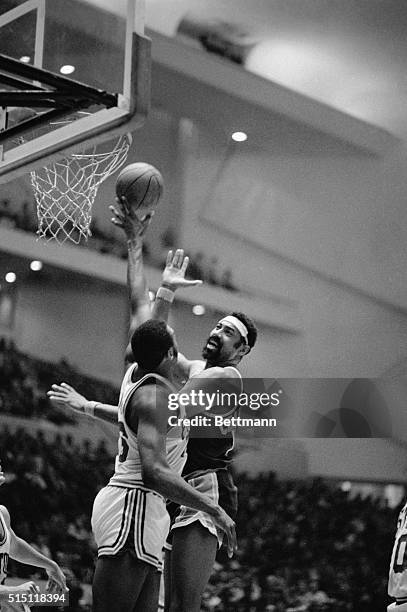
x: 128, y: 462
x: 398, y: 565
x: 4, y: 548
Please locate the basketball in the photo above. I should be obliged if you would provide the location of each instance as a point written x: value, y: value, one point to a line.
x: 141, y: 184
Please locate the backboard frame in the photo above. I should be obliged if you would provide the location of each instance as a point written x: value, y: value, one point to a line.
x: 123, y: 112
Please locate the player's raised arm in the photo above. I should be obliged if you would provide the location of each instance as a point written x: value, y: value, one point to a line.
x: 147, y: 414
x: 134, y: 227
x: 173, y: 278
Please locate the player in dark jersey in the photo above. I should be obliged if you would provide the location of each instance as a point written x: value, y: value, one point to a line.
x: 206, y: 469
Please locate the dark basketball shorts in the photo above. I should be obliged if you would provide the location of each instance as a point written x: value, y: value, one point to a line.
x: 216, y: 484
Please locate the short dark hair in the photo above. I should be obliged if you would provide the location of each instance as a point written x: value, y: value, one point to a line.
x: 150, y: 343
x: 250, y: 326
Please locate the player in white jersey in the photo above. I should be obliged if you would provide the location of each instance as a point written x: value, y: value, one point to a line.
x: 128, y: 475
x: 398, y: 565
x: 11, y: 546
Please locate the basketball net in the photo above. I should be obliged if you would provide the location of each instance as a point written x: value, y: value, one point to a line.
x: 65, y: 191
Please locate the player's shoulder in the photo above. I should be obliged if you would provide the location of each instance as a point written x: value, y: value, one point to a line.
x: 146, y: 407
x: 227, y: 372
x: 196, y: 367
x: 146, y: 398
x: 190, y: 367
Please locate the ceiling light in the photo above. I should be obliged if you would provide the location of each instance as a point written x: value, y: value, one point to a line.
x: 239, y: 136
x: 198, y: 310
x: 10, y: 277
x: 25, y: 59
x: 36, y: 265
x: 67, y: 69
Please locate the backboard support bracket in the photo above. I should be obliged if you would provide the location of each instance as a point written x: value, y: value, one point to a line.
x: 54, y: 96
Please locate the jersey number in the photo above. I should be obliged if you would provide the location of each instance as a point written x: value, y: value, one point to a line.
x: 123, y: 446
x: 400, y: 559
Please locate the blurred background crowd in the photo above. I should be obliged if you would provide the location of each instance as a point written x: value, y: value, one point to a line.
x: 303, y: 545
x: 26, y: 380
x: 207, y: 269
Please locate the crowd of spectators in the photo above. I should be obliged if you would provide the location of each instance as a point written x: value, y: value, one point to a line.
x: 49, y: 491
x: 304, y: 546
x: 108, y: 242
x: 25, y: 381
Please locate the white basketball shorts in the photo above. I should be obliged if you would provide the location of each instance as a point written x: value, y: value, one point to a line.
x: 132, y: 519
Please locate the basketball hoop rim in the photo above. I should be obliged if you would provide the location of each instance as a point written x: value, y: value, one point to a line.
x: 119, y: 143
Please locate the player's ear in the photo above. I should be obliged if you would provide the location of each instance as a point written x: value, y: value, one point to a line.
x: 244, y: 349
x: 172, y: 353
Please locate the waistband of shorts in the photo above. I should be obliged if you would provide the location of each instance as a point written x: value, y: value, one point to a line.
x: 138, y: 487
x: 196, y: 473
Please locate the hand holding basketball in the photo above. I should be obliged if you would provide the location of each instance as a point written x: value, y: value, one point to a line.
x: 126, y: 218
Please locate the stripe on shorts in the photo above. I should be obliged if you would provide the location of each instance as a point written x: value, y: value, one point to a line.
x: 139, y: 525
x: 112, y: 549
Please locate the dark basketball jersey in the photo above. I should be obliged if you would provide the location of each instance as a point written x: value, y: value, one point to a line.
x: 210, y: 453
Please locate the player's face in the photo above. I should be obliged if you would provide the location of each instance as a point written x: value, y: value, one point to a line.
x: 223, y: 345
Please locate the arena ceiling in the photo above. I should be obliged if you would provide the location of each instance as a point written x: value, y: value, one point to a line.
x: 351, y: 54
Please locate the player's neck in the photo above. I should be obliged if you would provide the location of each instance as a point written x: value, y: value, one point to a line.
x: 166, y: 371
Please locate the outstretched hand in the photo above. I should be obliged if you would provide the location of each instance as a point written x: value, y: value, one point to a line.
x: 175, y: 269
x: 66, y: 395
x: 125, y: 216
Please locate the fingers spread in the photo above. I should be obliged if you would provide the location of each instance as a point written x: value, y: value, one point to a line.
x: 178, y: 258
x: 185, y: 264
x: 169, y: 259
x: 194, y: 282
x: 64, y: 384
